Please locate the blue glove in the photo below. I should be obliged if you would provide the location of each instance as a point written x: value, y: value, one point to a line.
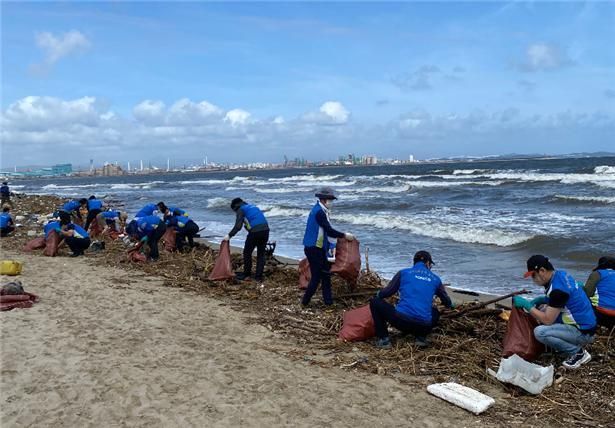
x: 144, y: 239
x: 452, y: 306
x: 377, y: 294
x: 520, y: 302
x: 57, y: 229
x: 542, y: 300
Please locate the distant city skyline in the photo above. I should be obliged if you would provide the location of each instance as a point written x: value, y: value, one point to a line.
x: 253, y: 82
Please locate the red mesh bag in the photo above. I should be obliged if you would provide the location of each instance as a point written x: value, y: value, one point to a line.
x: 304, y: 274
x: 35, y: 244
x: 169, y: 239
x: 519, y: 338
x: 358, y: 325
x: 8, y: 302
x: 347, y: 260
x: 52, y: 241
x: 223, y: 269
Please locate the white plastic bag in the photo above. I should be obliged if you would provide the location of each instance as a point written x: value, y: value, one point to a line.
x: 529, y: 376
x: 462, y: 396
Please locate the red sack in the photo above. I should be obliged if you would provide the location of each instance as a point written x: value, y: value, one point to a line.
x: 169, y: 239
x: 114, y: 234
x: 358, y: 325
x: 52, y: 241
x: 223, y: 269
x: 8, y: 302
x: 347, y: 260
x: 519, y: 338
x: 304, y: 274
x: 137, y: 257
x: 95, y: 229
x: 35, y: 244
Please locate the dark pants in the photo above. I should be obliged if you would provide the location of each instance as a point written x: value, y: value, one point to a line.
x: 188, y: 231
x: 77, y: 245
x: 320, y: 270
x: 91, y: 217
x: 604, y: 319
x: 259, y: 241
x: 153, y: 238
x: 6, y: 230
x: 384, y: 313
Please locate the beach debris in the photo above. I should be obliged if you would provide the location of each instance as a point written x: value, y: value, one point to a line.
x: 10, y: 267
x: 533, y: 378
x: 462, y: 396
x: 11, y: 288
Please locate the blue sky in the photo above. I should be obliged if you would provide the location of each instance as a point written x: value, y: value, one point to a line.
x: 254, y: 81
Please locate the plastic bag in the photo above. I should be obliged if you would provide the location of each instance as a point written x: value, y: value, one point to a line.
x: 533, y: 378
x: 223, y: 269
x: 358, y: 325
x: 169, y: 239
x: 347, y: 260
x: 8, y: 302
x: 519, y: 338
x: 52, y: 241
x: 35, y: 244
x: 304, y: 274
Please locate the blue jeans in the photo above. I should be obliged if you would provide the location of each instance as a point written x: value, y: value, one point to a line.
x: 562, y: 338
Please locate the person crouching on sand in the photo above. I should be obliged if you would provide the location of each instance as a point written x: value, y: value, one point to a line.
x: 185, y: 227
x: 567, y: 318
x: 7, y: 225
x: 318, y: 231
x: 253, y: 220
x: 600, y: 288
x: 414, y: 312
x: 148, y: 230
x: 74, y: 235
x: 111, y: 220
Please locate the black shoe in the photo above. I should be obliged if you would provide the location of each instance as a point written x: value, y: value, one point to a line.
x: 421, y: 341
x: 575, y: 360
x: 75, y: 254
x: 241, y: 276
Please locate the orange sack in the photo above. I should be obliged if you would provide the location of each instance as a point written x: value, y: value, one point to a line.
x: 169, y: 239
x: 35, y: 244
x: 223, y: 269
x: 51, y: 244
x: 358, y: 325
x: 304, y: 274
x: 519, y: 338
x: 347, y: 260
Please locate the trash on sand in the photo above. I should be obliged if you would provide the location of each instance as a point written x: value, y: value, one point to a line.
x: 531, y: 377
x: 462, y: 396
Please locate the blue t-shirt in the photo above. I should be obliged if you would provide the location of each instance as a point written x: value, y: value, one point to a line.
x: 5, y: 219
x: 578, y: 310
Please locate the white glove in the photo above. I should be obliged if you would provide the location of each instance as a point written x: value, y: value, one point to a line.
x: 349, y: 236
x: 226, y: 238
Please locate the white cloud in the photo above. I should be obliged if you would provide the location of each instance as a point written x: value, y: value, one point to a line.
x: 237, y: 117
x: 543, y: 57
x: 56, y: 47
x: 48, y: 130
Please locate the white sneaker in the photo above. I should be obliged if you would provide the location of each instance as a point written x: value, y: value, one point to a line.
x: 575, y: 361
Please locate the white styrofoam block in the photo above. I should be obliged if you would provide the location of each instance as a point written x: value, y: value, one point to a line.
x: 529, y: 376
x: 462, y: 396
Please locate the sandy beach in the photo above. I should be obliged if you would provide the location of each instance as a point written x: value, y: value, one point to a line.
x: 107, y: 347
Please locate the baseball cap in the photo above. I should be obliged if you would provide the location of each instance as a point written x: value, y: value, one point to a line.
x: 536, y: 262
x: 423, y: 256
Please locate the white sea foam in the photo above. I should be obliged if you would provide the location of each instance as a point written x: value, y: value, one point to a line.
x: 434, y: 228
x: 387, y: 189
x: 282, y: 190
x: 218, y: 203
x: 304, y: 178
x: 604, y: 169
x: 466, y: 171
x: 284, y: 212
x: 592, y: 199
x: 205, y: 182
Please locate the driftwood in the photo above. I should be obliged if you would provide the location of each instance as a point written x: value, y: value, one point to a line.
x: 483, y: 304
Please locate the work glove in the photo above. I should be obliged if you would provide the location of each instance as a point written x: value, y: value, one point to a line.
x: 521, y: 303
x: 144, y: 239
x: 452, y: 306
x: 542, y: 300
x: 348, y: 236
x: 57, y: 229
x: 226, y: 238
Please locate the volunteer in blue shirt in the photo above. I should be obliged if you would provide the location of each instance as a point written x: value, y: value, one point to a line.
x: 147, y: 210
x: 111, y: 220
x: 253, y: 220
x: 6, y: 222
x: 566, y: 314
x: 94, y: 208
x: 414, y: 312
x: 318, y: 231
x: 185, y: 228
x: 73, y: 208
x: 75, y: 236
x: 5, y: 194
x: 148, y: 230
x: 600, y: 288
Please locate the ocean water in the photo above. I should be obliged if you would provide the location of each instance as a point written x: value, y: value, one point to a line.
x: 480, y: 220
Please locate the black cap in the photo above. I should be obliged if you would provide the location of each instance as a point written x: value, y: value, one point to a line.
x: 536, y: 262
x: 5, y: 183
x: 236, y: 203
x: 606, y: 262
x: 423, y: 256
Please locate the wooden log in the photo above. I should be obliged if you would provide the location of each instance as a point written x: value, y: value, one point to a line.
x: 483, y: 304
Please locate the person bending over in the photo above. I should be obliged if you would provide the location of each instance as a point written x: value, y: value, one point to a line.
x: 600, y: 288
